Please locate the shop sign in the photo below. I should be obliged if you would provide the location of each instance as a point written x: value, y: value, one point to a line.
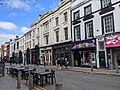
x: 84, y: 44
x: 113, y: 41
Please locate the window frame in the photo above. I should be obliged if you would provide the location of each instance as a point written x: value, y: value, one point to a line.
x: 65, y: 16
x: 75, y: 36
x: 86, y: 31
x: 85, y: 8
x: 75, y: 13
x: 66, y: 33
x: 103, y: 26
x: 57, y: 21
x: 57, y: 36
x: 103, y: 6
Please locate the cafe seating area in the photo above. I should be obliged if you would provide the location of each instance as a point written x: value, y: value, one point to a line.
x: 40, y: 77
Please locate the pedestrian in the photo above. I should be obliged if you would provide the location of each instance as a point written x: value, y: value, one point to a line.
x: 58, y: 63
x: 66, y: 63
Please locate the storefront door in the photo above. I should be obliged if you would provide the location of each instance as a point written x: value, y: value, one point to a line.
x: 77, y: 59
x: 102, y: 59
x: 118, y: 58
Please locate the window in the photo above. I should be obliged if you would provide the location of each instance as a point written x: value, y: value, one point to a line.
x: 17, y: 45
x: 30, y: 44
x: 38, y: 30
x: 105, y: 3
x: 89, y: 29
x: 46, y: 37
x: 76, y: 16
x: 77, y: 32
x: 108, y: 25
x: 38, y: 40
x: 65, y: 17
x: 57, y: 21
x: 46, y: 26
x: 33, y: 43
x: 88, y: 10
x: 66, y: 33
x: 57, y: 36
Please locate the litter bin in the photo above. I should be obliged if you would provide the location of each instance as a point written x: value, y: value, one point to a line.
x: 2, y: 69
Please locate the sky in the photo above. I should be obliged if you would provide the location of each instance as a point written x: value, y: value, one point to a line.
x: 16, y: 16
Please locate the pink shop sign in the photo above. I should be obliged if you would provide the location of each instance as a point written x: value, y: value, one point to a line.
x: 113, y: 41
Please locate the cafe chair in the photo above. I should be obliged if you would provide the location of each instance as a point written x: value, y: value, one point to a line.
x: 52, y: 75
x: 46, y: 70
x: 26, y: 77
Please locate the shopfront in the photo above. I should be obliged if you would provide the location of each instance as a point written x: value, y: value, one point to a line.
x: 113, y: 50
x: 62, y: 50
x: 84, y: 52
x: 46, y: 53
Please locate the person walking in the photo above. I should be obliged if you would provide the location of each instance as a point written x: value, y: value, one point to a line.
x: 66, y: 63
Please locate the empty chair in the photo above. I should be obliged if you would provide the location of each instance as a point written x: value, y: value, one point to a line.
x: 52, y: 76
x: 46, y: 70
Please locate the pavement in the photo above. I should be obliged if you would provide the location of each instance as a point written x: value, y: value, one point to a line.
x: 9, y: 83
x: 101, y: 71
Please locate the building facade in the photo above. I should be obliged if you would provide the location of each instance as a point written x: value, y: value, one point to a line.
x: 61, y: 32
x: 92, y: 23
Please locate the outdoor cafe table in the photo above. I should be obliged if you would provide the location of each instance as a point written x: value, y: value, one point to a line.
x: 41, y: 75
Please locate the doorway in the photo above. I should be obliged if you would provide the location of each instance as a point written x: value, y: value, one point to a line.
x: 102, y: 59
x: 77, y: 59
x: 118, y: 58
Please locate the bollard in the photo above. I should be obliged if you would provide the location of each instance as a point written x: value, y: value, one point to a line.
x: 58, y: 86
x: 91, y: 67
x: 19, y: 80
x: 30, y: 82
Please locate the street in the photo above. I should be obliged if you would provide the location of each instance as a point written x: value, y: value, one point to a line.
x: 83, y: 81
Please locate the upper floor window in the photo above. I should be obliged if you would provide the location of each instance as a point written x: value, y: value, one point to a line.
x: 38, y: 40
x: 88, y: 10
x: 65, y: 17
x: 105, y: 3
x: 46, y: 26
x: 33, y: 33
x: 89, y: 29
x: 46, y: 37
x: 77, y: 32
x: 66, y: 33
x: 76, y: 15
x: 38, y: 30
x: 57, y: 21
x: 17, y: 45
x: 33, y: 43
x: 108, y: 24
x: 57, y: 36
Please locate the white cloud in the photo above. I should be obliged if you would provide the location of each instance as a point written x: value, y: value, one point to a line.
x: 17, y: 4
x: 9, y: 26
x: 25, y: 29
x: 39, y: 7
x: 5, y: 37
